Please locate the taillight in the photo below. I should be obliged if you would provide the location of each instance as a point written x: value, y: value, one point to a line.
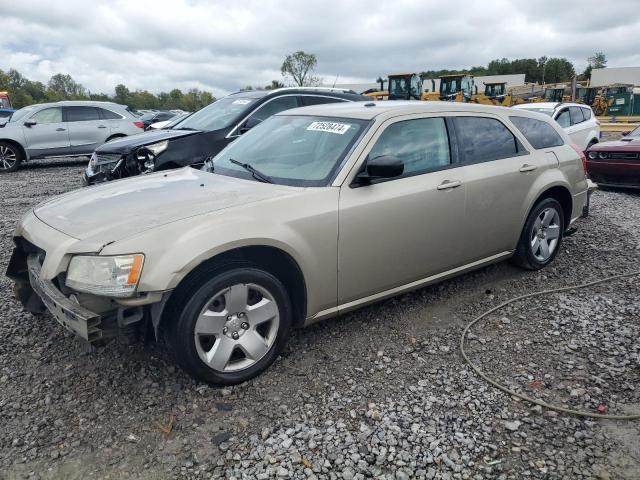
x: 139, y: 124
x: 583, y: 157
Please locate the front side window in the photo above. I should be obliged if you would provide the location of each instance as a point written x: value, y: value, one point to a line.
x: 291, y: 149
x: 564, y: 120
x: 48, y: 115
x: 81, y: 114
x: 538, y: 133
x: 576, y: 115
x: 421, y: 144
x: 318, y: 100
x: 274, y: 106
x: 483, y: 139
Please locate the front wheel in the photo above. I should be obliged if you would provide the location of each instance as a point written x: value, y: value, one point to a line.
x: 542, y: 235
x: 232, y: 327
x: 10, y: 157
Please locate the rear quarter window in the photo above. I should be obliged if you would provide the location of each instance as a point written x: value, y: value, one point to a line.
x: 108, y: 114
x: 538, y: 133
x: 586, y: 112
x: 482, y: 139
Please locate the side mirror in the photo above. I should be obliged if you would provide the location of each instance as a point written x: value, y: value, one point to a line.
x: 249, y: 124
x: 624, y: 134
x: 384, y: 166
x: 30, y: 123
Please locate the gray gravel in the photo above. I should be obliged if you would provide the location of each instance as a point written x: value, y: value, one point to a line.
x: 379, y: 393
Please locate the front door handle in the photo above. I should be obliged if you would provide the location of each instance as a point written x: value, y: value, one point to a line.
x: 61, y: 129
x: 102, y: 126
x: 527, y: 168
x: 449, y: 184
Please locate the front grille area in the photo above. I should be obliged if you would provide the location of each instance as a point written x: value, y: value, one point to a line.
x: 623, y: 155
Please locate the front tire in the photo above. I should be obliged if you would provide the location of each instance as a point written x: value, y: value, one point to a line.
x: 541, y: 236
x: 10, y: 157
x: 232, y: 327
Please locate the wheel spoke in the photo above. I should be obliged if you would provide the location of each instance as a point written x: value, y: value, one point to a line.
x: 548, y: 217
x: 535, y: 244
x: 210, y: 323
x: 544, y: 248
x: 261, y: 312
x: 537, y: 224
x: 218, y: 357
x: 236, y: 298
x: 553, y: 232
x: 253, y: 345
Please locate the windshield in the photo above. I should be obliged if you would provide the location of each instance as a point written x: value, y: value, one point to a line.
x: 635, y: 132
x: 18, y: 114
x: 450, y: 86
x: 399, y: 86
x: 291, y: 150
x: 219, y: 114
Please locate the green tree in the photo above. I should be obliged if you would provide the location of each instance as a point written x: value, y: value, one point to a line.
x: 275, y: 84
x: 123, y: 95
x: 558, y: 70
x: 299, y: 66
x: 597, y: 60
x: 63, y: 87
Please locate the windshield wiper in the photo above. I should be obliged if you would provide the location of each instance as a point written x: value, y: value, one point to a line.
x: 257, y: 174
x: 177, y: 127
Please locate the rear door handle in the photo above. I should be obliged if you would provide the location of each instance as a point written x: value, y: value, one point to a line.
x: 102, y: 126
x: 61, y: 129
x: 449, y: 184
x: 527, y: 168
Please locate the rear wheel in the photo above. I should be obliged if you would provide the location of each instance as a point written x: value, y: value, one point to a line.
x: 542, y: 235
x: 232, y: 327
x: 10, y: 157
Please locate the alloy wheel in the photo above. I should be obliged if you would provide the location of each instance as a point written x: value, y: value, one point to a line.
x: 545, y: 234
x: 237, y: 327
x: 8, y: 157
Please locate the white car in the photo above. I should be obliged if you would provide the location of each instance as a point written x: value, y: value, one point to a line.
x: 577, y: 120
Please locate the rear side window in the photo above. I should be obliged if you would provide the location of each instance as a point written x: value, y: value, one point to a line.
x: 81, y: 114
x: 482, y: 139
x: 576, y: 115
x: 586, y: 112
x: 108, y: 114
x: 538, y: 133
x: 421, y: 144
x: 315, y: 100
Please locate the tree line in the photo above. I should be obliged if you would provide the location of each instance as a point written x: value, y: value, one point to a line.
x: 61, y: 86
x: 540, y: 70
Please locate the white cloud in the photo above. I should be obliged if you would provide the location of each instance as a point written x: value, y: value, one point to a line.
x: 222, y: 46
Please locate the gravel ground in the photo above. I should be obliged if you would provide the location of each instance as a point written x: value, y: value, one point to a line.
x: 379, y: 393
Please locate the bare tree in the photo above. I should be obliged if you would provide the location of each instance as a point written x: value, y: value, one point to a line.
x: 299, y: 66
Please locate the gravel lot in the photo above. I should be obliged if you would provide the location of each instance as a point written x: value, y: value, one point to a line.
x: 379, y: 393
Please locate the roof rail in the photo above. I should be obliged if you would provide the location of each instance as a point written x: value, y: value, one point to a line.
x: 332, y: 89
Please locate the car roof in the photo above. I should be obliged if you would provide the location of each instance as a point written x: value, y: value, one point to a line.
x: 390, y: 108
x: 550, y: 105
x: 78, y: 103
x: 325, y: 91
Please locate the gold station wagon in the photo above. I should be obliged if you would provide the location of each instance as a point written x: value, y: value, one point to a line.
x: 312, y: 213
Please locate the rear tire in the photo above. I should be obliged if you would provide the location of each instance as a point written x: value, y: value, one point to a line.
x: 10, y: 157
x: 541, y: 236
x: 232, y: 323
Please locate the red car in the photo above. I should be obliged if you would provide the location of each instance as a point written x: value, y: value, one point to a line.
x: 617, y: 163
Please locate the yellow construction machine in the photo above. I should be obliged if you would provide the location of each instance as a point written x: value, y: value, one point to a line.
x: 401, y: 86
x: 496, y: 93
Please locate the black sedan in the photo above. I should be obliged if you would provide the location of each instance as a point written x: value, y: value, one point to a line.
x: 202, y: 134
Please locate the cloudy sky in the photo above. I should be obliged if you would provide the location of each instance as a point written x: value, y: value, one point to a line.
x: 223, y: 45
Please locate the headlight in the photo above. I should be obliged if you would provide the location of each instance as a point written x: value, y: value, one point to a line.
x: 116, y: 276
x: 157, y: 148
x: 603, y: 155
x: 593, y: 155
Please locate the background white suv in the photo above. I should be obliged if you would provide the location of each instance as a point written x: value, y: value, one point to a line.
x: 577, y: 119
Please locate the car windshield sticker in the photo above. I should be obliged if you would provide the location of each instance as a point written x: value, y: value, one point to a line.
x: 241, y: 101
x: 331, y: 127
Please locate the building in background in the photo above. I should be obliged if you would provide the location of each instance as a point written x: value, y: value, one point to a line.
x: 610, y: 75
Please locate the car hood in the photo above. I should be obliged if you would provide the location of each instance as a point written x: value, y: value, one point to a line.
x: 116, y: 210
x: 619, y: 145
x: 130, y: 143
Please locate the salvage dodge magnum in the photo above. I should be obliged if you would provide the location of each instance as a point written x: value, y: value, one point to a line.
x: 223, y: 262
